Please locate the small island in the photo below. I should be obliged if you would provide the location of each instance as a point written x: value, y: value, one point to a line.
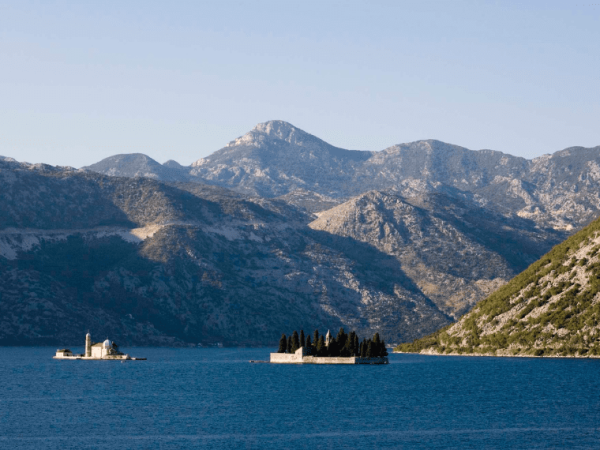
x: 106, y: 350
x: 343, y: 349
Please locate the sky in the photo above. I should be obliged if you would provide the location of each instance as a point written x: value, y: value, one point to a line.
x: 81, y: 81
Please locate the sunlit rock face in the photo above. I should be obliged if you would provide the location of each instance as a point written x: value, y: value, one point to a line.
x: 276, y: 159
x: 453, y: 250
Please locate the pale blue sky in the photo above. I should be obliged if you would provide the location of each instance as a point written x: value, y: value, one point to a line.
x: 80, y: 81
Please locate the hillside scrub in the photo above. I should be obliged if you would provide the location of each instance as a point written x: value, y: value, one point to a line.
x: 550, y: 309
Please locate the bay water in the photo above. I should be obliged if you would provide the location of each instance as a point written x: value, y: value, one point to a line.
x: 216, y: 399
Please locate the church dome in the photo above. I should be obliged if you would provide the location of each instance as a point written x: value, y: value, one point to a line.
x: 107, y: 344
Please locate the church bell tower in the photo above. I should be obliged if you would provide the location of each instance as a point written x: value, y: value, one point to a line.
x: 328, y: 339
x: 88, y: 345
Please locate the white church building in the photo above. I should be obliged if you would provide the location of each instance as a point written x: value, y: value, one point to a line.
x: 100, y: 350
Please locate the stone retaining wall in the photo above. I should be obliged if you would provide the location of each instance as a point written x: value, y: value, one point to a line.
x: 300, y: 358
x: 286, y: 358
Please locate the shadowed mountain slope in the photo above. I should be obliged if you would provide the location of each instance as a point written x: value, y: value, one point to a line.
x: 153, y: 263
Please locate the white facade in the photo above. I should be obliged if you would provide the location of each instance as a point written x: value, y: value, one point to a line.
x: 102, y: 350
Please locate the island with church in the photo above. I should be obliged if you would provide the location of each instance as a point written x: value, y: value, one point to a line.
x: 106, y: 350
x: 343, y: 349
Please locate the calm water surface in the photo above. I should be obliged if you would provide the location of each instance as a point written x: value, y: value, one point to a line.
x: 213, y: 398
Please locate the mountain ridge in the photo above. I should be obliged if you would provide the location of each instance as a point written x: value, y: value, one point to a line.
x: 275, y: 159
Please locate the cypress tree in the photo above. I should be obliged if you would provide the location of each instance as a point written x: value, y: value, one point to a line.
x: 350, y: 343
x: 289, y: 345
x: 363, y: 349
x: 347, y: 350
x: 376, y: 345
x: 302, y: 340
x: 282, y: 344
x: 309, y: 345
x: 341, y: 338
x: 384, y: 351
x: 370, y: 349
x: 320, y: 346
x: 316, y: 337
x: 295, y: 341
x: 356, y: 346
x: 333, y: 349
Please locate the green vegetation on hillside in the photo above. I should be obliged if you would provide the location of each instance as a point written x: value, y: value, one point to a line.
x: 550, y: 309
x: 343, y: 344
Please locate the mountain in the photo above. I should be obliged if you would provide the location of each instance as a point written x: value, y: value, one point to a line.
x: 278, y: 230
x: 550, y: 309
x: 276, y: 159
x: 152, y: 263
x: 139, y: 165
x: 455, y: 251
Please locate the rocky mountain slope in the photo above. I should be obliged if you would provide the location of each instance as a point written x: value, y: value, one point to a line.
x: 279, y: 229
x: 550, y: 309
x: 276, y: 159
x: 455, y: 251
x: 153, y: 263
x: 140, y: 165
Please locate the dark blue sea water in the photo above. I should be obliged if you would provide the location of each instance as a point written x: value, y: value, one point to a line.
x: 216, y: 399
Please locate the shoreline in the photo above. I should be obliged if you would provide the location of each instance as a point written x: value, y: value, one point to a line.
x: 489, y: 355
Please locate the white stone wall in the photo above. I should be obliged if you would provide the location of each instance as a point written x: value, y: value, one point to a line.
x: 329, y: 360
x: 286, y: 358
x: 299, y: 358
x: 97, y: 352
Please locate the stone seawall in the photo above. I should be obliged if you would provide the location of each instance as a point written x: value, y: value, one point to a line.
x: 300, y: 358
x: 286, y: 358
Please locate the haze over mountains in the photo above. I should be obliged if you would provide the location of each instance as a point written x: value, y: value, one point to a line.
x: 278, y: 230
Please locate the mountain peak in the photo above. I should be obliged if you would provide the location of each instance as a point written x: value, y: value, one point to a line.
x: 172, y: 164
x: 135, y: 165
x: 276, y: 130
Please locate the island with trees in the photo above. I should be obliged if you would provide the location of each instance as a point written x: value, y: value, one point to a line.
x: 342, y: 349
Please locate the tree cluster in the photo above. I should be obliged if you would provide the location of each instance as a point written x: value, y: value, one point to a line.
x: 343, y: 344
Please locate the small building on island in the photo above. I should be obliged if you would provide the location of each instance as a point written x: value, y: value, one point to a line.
x: 345, y: 350
x: 106, y: 350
